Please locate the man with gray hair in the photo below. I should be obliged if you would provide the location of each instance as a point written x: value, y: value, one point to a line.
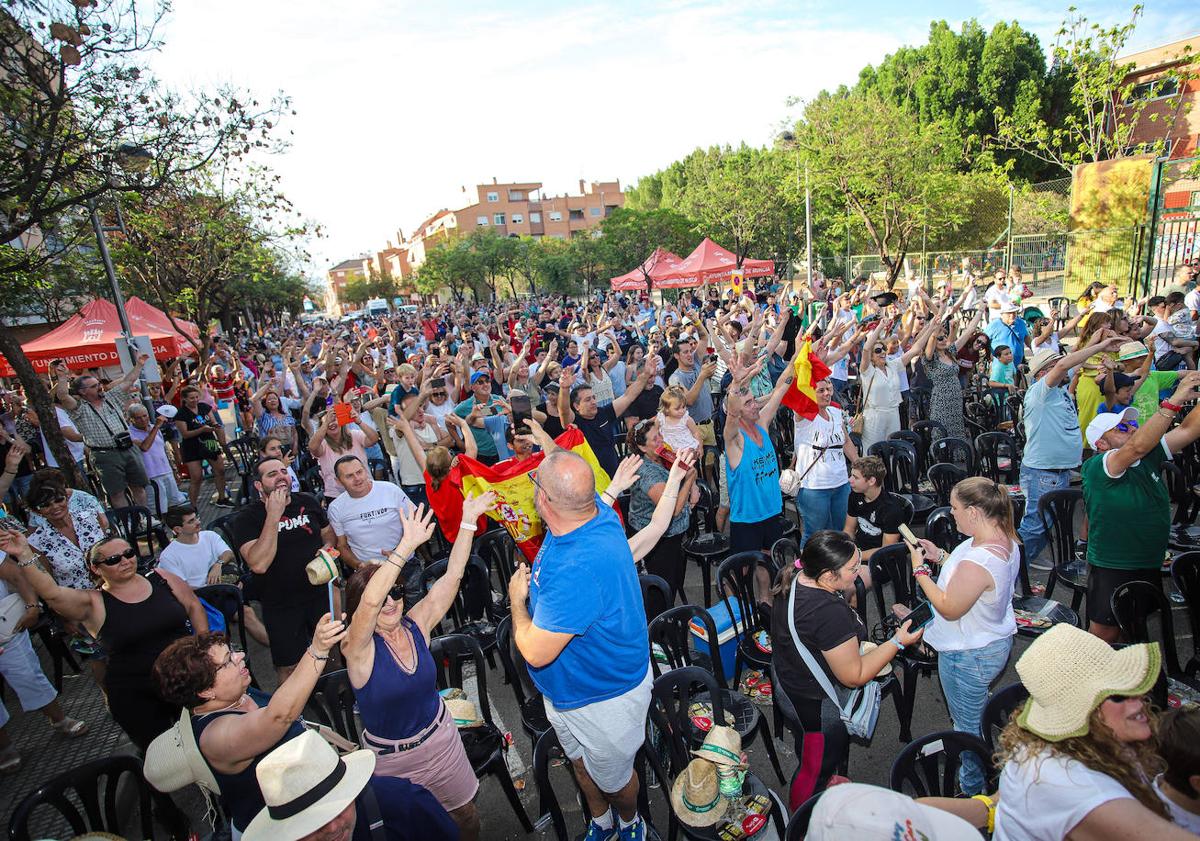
x: 584, y: 638
x: 147, y: 437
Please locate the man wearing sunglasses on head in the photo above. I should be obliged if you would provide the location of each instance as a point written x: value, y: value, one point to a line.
x: 1128, y: 507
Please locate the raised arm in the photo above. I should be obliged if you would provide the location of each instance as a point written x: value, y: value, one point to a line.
x: 428, y: 612
x: 671, y: 500
x: 640, y: 383
x: 399, y: 421
x: 969, y: 331
x: 918, y: 346
x: 83, y: 606
x: 1155, y: 427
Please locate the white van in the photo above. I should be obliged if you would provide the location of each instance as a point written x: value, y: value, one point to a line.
x: 377, y: 307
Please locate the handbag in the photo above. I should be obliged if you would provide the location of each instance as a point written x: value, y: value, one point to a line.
x: 860, y: 713
x: 858, y: 423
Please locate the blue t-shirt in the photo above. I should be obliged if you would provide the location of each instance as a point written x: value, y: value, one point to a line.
x: 585, y: 583
x: 1014, y: 336
x: 495, y: 426
x: 1052, y: 437
x: 1002, y: 372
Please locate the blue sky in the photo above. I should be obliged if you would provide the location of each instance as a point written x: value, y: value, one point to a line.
x: 401, y: 104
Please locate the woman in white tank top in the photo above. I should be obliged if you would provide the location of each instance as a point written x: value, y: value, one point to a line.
x: 973, y: 622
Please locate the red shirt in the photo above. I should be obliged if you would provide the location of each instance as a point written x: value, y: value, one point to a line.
x: 222, y: 387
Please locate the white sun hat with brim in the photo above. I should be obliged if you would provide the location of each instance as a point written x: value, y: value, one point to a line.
x: 1070, y: 672
x: 696, y: 795
x: 870, y: 813
x: 305, y: 785
x: 173, y: 760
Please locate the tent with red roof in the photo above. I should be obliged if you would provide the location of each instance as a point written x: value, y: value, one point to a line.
x: 88, y: 339
x: 660, y: 263
x: 140, y: 311
x: 710, y: 263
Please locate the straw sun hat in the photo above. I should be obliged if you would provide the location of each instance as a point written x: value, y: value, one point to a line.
x: 696, y: 795
x: 722, y: 745
x: 1069, y: 673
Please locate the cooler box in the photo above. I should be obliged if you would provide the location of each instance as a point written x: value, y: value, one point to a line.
x: 729, y: 629
x: 229, y: 418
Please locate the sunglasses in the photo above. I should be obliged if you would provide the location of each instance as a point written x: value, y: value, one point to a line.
x: 113, y: 560
x: 1121, y: 699
x: 1126, y: 426
x: 878, y: 350
x: 533, y: 478
x: 54, y: 500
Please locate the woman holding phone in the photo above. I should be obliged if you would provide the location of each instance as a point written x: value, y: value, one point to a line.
x: 973, y: 623
x: 200, y: 428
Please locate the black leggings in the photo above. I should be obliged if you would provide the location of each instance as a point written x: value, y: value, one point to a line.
x: 823, y: 749
x: 667, y: 561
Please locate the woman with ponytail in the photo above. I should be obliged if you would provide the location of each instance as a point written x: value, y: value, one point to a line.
x: 973, y: 622
x: 831, y: 631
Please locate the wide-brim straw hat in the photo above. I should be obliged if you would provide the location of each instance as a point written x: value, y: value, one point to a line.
x: 696, y: 795
x: 722, y: 745
x: 1041, y: 359
x: 305, y: 785
x: 464, y: 712
x: 1070, y: 672
x: 173, y: 760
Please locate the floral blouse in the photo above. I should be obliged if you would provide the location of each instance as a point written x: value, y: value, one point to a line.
x: 66, y: 560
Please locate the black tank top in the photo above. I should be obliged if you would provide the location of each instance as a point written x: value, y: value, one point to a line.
x: 243, y: 797
x: 135, y: 634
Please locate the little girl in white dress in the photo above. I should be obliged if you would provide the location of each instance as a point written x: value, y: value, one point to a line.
x: 678, y: 430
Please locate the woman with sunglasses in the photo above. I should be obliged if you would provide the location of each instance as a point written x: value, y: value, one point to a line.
x: 942, y: 367
x: 235, y: 725
x: 1080, y: 757
x: 66, y: 521
x: 881, y: 380
x: 405, y: 722
x: 133, y: 616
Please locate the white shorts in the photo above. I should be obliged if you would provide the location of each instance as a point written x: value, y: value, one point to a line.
x: 606, y: 735
x: 22, y: 671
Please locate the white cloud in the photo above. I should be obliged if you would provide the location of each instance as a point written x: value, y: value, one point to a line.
x: 400, y: 105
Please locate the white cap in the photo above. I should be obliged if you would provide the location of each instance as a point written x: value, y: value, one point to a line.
x: 1009, y: 306
x: 1104, y: 422
x: 871, y: 813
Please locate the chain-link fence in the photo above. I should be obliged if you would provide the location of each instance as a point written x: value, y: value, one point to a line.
x: 1029, y: 227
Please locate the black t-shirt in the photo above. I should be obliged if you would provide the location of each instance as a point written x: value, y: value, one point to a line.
x: 823, y: 621
x: 645, y: 405
x: 599, y: 432
x: 552, y: 425
x: 875, y: 519
x: 299, y: 540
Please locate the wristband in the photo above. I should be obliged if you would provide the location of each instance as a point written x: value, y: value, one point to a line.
x: 34, y: 606
x: 30, y: 562
x: 1169, y: 406
x: 896, y: 643
x: 317, y: 657
x: 610, y: 498
x: 923, y: 569
x: 468, y: 526
x: 991, y: 810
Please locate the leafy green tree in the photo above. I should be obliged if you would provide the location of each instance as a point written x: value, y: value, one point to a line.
x: 628, y: 237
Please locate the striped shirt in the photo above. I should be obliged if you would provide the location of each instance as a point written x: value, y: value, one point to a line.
x: 98, y: 426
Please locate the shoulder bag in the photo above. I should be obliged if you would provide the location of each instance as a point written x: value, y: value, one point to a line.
x: 860, y: 713
x: 858, y: 423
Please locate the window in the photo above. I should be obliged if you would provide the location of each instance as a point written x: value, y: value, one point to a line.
x: 493, y: 197
x: 558, y: 236
x: 498, y: 218
x: 515, y: 195
x: 1155, y: 89
x: 555, y: 216
x: 595, y: 211
x: 609, y: 208
x: 481, y: 220
x: 535, y: 218
x: 517, y: 218
x: 576, y: 214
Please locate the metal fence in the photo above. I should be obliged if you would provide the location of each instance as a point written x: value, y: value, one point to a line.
x: 1035, y: 236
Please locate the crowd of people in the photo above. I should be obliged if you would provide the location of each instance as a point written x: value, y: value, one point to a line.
x: 365, y: 433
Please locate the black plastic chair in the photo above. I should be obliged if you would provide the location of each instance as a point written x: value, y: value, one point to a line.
x: 929, y: 430
x: 900, y: 460
x: 312, y: 482
x: 484, y: 744
x: 890, y: 565
x: 224, y: 526
x: 498, y: 551
x: 944, y: 476
x: 656, y: 595
x: 736, y: 578
x: 227, y: 598
x: 999, y: 710
x: 529, y: 698
x: 1185, y: 572
x: 1057, y: 510
x: 98, y: 787
x: 332, y: 704
x: 999, y: 457
x: 242, y: 453
x: 1180, y: 482
x: 671, y: 630
x: 917, y: 441
x: 941, y: 530
x: 704, y: 544
x: 1132, y: 604
x: 136, y: 526
x: 928, y: 767
x: 670, y: 698
x: 49, y: 631
x: 956, y: 451
x: 797, y: 825
x: 474, y: 610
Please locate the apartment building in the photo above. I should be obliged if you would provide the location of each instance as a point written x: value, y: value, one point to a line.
x: 518, y: 209
x: 1166, y: 108
x: 339, y: 276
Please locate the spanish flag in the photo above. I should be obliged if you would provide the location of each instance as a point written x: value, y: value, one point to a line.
x: 510, y: 481
x: 801, y: 398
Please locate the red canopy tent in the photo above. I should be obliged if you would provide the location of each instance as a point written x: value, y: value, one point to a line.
x: 88, y: 339
x: 660, y: 263
x: 710, y: 263
x: 150, y: 315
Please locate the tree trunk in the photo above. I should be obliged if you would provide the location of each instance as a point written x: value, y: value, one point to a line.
x: 39, y: 399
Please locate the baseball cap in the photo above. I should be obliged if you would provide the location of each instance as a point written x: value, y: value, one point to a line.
x: 477, y: 376
x: 1104, y: 422
x: 871, y: 813
x: 1122, y: 380
x: 1009, y: 307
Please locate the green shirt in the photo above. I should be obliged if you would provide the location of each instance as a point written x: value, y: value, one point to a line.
x: 1146, y: 399
x: 1129, y: 517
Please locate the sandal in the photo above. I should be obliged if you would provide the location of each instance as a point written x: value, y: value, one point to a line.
x: 10, y: 760
x: 69, y: 727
